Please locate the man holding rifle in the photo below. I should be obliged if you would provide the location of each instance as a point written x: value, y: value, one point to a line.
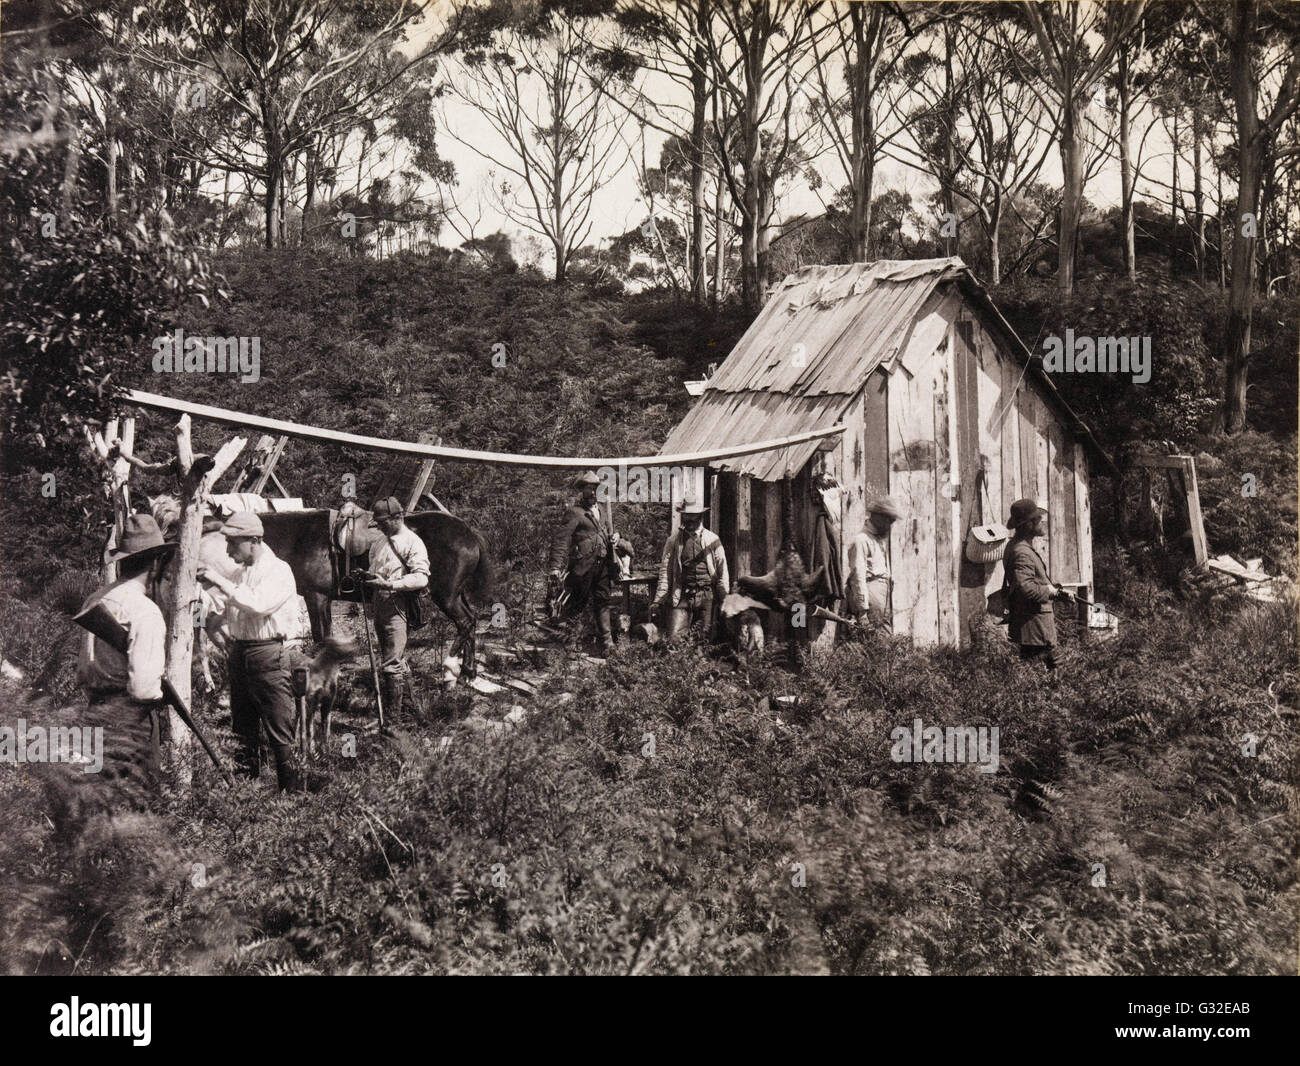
x: 126, y: 687
x: 1030, y: 590
x: 583, y: 563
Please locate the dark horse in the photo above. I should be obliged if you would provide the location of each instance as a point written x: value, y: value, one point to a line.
x: 459, y: 566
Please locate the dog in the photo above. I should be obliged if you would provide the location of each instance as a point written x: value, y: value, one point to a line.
x: 323, y: 680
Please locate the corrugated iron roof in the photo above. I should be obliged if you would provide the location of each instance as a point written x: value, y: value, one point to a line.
x: 849, y: 319
x: 734, y: 416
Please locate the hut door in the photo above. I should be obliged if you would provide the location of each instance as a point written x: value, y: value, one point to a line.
x: 970, y: 591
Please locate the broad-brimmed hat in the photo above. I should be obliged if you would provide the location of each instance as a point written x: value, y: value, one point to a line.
x: 141, y: 538
x: 587, y: 477
x: 1023, y: 511
x: 389, y: 507
x: 243, y: 524
x: 692, y: 507
x: 885, y: 505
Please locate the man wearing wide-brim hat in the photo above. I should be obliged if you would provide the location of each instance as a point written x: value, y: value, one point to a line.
x: 693, y: 576
x: 1030, y: 591
x: 868, y: 554
x: 125, y: 691
x: 583, y: 561
x: 261, y: 612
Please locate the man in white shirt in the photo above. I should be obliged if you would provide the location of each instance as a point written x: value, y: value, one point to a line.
x: 869, y: 576
x: 261, y: 610
x: 126, y: 690
x: 400, y: 563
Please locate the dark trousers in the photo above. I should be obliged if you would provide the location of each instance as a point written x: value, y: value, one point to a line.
x: 695, y: 611
x: 261, y: 693
x: 131, y: 734
x: 1047, y: 653
x: 597, y: 589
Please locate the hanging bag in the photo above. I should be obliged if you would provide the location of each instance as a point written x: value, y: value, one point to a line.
x: 419, y: 604
x: 986, y: 543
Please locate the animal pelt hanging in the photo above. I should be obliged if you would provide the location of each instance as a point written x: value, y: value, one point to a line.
x: 789, y: 581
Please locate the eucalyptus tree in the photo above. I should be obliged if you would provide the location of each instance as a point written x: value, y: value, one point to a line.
x: 1077, y: 43
x: 759, y: 52
x: 1263, y: 45
x: 858, y: 71
x: 539, y: 75
x: 297, y: 70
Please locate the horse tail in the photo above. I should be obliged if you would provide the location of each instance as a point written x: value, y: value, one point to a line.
x: 484, y: 575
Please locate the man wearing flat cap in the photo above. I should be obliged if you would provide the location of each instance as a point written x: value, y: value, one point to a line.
x: 261, y: 610
x: 583, y: 561
x: 1030, y: 591
x: 126, y: 690
x: 869, y: 577
x: 400, y: 562
x: 693, y: 578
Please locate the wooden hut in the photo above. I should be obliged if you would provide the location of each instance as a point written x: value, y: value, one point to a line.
x: 942, y: 405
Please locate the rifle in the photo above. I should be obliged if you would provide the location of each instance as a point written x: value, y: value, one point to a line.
x: 98, y: 621
x: 822, y: 612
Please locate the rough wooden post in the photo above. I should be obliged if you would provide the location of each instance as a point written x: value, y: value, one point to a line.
x: 116, y: 482
x: 184, y: 592
x: 422, y: 477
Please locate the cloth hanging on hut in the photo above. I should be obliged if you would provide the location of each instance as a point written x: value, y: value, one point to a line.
x: 826, y: 539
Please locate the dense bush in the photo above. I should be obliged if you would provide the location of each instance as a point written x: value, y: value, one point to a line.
x: 1180, y: 399
x: 768, y: 832
x: 1242, y: 523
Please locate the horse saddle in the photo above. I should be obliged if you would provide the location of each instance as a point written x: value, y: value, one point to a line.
x: 350, y: 537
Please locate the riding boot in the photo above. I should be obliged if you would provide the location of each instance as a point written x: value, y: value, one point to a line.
x: 286, y: 768
x: 603, y: 631
x: 392, y: 689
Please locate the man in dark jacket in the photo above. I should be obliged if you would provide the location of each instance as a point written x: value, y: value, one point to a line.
x: 1030, y: 590
x: 582, y: 563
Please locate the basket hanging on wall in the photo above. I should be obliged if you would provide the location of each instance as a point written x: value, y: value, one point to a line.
x: 986, y: 543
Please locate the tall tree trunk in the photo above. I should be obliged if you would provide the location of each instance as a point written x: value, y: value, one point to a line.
x: 557, y: 186
x: 1072, y: 194
x: 700, y: 100
x: 225, y: 211
x: 184, y: 593
x: 720, y: 241
x: 750, y: 295
x: 950, y: 236
x: 110, y: 159
x: 281, y: 208
x: 862, y: 146
x: 1198, y: 187
x: 1245, y: 223
x: 272, y: 197
x: 995, y: 234
x: 1223, y: 236
x: 750, y: 292
x: 309, y: 197
x: 1126, y: 165
x: 1173, y: 204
